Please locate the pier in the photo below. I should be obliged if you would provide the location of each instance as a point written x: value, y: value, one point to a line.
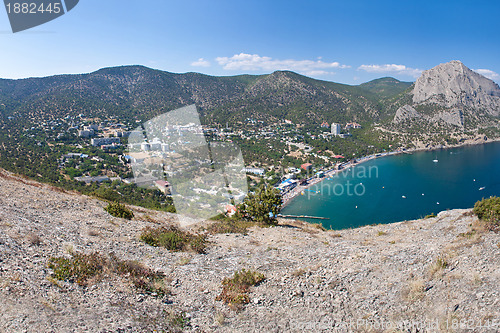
x: 303, y: 217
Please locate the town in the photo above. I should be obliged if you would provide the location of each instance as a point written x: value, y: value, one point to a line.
x: 288, y: 156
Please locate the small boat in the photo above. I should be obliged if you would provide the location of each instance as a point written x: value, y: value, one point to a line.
x: 404, y: 197
x: 437, y: 203
x: 423, y: 194
x: 482, y: 188
x: 435, y: 161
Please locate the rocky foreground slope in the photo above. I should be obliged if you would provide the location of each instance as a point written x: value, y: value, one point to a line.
x: 423, y: 272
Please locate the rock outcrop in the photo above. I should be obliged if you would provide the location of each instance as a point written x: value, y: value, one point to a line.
x: 452, y: 93
x: 454, y: 85
x: 406, y: 112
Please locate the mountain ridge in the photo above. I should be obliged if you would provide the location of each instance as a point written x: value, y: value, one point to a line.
x: 138, y: 93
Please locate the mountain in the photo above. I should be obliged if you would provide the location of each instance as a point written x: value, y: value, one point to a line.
x: 137, y: 92
x: 450, y: 94
x: 449, y: 98
x: 386, y: 87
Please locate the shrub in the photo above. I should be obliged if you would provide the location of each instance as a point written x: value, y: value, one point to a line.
x: 119, y: 210
x: 79, y: 268
x: 174, y: 239
x: 235, y: 289
x: 87, y: 268
x: 229, y: 226
x: 488, y: 210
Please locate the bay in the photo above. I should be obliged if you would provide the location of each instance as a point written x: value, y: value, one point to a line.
x: 403, y: 187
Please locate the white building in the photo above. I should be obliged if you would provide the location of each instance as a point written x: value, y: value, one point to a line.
x: 335, y: 129
x: 255, y: 171
x: 155, y: 145
x: 105, y: 141
x: 85, y: 134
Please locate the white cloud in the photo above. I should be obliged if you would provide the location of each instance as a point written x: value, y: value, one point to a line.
x: 254, y: 62
x: 488, y: 73
x: 391, y: 68
x: 201, y: 63
x: 318, y: 73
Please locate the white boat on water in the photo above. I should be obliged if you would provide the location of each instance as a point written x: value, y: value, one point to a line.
x: 482, y: 188
x: 435, y: 161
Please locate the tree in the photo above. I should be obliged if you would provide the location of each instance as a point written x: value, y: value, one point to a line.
x: 262, y: 206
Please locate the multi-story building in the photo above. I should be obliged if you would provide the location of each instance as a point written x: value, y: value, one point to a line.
x: 335, y: 129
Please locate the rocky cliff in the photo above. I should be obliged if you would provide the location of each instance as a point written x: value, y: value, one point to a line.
x: 454, y: 85
x: 421, y: 273
x: 452, y: 94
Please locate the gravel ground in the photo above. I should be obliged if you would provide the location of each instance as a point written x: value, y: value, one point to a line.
x: 381, y: 278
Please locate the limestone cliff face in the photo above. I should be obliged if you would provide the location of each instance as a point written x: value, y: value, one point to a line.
x: 406, y: 112
x: 451, y: 93
x: 453, y: 84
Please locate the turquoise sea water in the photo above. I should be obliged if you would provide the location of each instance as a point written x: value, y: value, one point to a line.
x: 403, y: 187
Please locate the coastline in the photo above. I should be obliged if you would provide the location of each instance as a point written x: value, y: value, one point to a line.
x: 288, y: 197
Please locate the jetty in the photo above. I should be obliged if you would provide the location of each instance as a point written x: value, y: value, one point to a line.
x: 303, y: 217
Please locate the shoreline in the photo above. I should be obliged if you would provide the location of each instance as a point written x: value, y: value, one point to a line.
x: 288, y: 197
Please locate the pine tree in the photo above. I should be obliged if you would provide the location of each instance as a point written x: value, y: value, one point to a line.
x: 262, y: 206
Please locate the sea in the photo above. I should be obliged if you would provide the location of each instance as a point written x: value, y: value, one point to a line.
x: 402, y: 187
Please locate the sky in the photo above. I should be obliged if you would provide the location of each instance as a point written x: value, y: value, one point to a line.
x: 342, y: 41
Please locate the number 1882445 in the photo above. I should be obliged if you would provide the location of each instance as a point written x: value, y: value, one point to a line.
x: 33, y: 8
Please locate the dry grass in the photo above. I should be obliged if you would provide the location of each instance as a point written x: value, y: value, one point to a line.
x: 415, y: 290
x: 438, y: 266
x: 148, y: 218
x: 183, y: 261
x: 34, y: 240
x: 219, y: 319
x: 299, y: 272
x: 93, y: 233
x: 227, y: 225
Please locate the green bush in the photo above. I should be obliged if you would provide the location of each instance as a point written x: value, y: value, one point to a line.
x: 87, y: 268
x: 229, y: 225
x: 488, y: 210
x: 119, y: 210
x: 174, y: 239
x: 79, y: 268
x: 235, y: 289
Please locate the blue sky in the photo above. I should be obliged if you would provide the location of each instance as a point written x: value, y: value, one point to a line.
x: 342, y: 41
